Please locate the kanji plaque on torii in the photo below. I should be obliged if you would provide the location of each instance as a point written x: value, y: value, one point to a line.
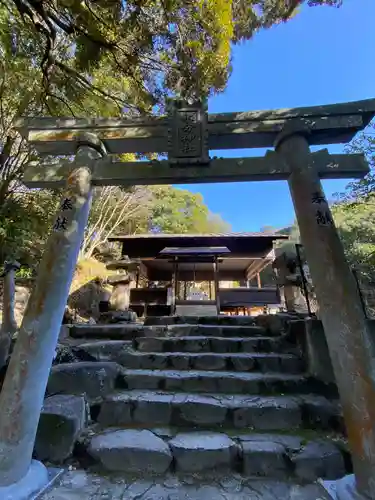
x: 187, y: 133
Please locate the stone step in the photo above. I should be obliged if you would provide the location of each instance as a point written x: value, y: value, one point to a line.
x: 239, y: 362
x: 115, y: 332
x: 282, y: 457
x: 224, y: 331
x: 212, y: 344
x: 94, y: 378
x: 105, y: 350
x: 219, y: 381
x: 158, y: 408
x: 133, y: 331
x: 98, y: 484
x: 121, y: 352
x: 203, y: 320
x: 272, y: 322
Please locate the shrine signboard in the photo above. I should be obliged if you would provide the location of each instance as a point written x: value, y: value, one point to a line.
x: 187, y: 134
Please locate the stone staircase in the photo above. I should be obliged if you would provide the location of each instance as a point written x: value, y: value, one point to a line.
x: 197, y: 394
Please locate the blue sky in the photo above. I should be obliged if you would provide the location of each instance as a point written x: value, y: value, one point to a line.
x: 322, y: 56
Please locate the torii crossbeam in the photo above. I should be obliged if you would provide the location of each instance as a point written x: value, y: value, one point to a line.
x: 188, y: 134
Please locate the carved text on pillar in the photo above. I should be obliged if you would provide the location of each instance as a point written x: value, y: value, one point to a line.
x: 62, y: 221
x: 60, y: 224
x: 322, y: 213
x: 66, y: 204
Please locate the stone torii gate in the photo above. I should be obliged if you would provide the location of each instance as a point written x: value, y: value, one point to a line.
x: 187, y: 135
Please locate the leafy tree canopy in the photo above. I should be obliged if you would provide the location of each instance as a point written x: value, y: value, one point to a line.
x: 141, y: 47
x: 25, y: 220
x: 180, y: 211
x: 115, y: 57
x: 362, y: 189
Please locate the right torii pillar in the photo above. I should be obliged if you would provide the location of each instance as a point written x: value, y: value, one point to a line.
x: 341, y: 310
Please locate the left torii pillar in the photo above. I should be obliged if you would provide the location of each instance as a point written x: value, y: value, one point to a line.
x: 9, y: 325
x: 21, y: 398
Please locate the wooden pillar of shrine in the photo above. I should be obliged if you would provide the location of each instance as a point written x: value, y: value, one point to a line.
x: 216, y: 284
x: 345, y: 325
x: 174, y: 286
x: 259, y: 283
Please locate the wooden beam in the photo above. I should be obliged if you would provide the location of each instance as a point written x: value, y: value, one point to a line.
x: 264, y: 168
x: 161, y: 275
x: 255, y: 267
x: 336, y: 123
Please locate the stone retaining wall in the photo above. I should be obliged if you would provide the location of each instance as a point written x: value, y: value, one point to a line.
x: 24, y: 287
x: 368, y: 295
x: 83, y: 302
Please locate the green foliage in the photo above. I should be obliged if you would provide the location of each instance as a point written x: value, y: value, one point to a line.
x: 25, y: 222
x: 25, y: 272
x: 140, y: 47
x: 114, y: 58
x: 354, y: 209
x: 356, y: 224
x: 179, y: 211
x: 363, y: 188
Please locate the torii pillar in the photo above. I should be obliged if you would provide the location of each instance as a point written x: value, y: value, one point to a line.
x: 341, y: 310
x: 22, y: 395
x: 9, y: 325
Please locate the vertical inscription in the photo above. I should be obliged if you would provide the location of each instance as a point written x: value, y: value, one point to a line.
x: 187, y: 134
x: 62, y: 220
x: 323, y: 215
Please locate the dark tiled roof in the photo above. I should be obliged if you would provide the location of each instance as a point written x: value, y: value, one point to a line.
x: 206, y: 235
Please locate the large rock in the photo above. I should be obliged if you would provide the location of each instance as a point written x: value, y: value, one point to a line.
x: 198, y: 451
x: 290, y: 442
x: 199, y: 410
x: 96, y: 379
x: 111, y: 332
x: 275, y: 323
x: 319, y: 459
x: 105, y: 350
x: 209, y: 362
x: 321, y: 413
x: 133, y: 451
x: 62, y: 419
x: 269, y: 414
x: 181, y: 362
x: 115, y: 410
x: 153, y: 408
x: 116, y: 317
x: 151, y: 344
x: 265, y: 459
x: 148, y: 361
